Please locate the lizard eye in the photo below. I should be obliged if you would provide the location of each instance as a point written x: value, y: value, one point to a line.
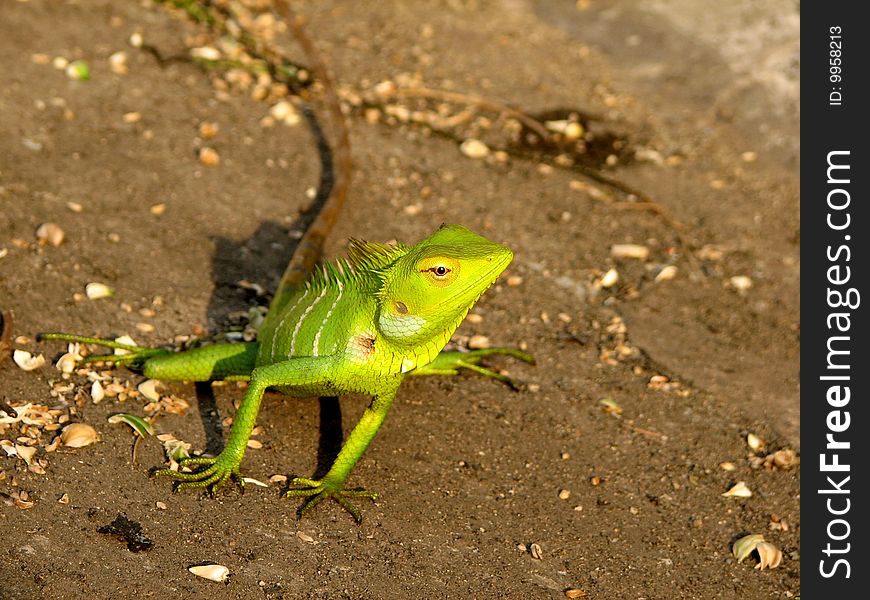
x: 439, y: 270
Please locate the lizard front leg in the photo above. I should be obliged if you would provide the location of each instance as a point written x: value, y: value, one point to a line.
x: 332, y: 484
x: 311, y: 372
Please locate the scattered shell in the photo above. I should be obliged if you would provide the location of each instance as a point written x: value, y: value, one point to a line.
x: 478, y: 342
x: 209, y: 157
x: 205, y: 53
x: 60, y: 63
x: 741, y: 283
x: 255, y: 444
x: 474, y: 148
x: 514, y: 281
x: 218, y: 573
x: 609, y: 279
x: 132, y: 117
x: 27, y: 361
x: 78, y: 70
x: 76, y: 207
x: 95, y: 291
x: 564, y: 494
x: 26, y: 453
x: 145, y: 327
x: 305, y: 537
x: 208, y: 129
x: 136, y: 40
x: 667, y: 273
x: 160, y: 505
x: 157, y: 209
x: 745, y: 545
x: 23, y: 500
x: 575, y: 593
x: 285, y: 112
x: 148, y: 388
x: 610, y: 406
x: 572, y: 130
x: 769, y: 556
x: 127, y: 341
x: 78, y: 435
x: 50, y: 233
x: 727, y: 466
x: 535, y: 551
x: 253, y: 481
x: 739, y: 490
x: 785, y: 458
x: 63, y: 499
x: 754, y: 442
x: 629, y: 251
x: 118, y: 63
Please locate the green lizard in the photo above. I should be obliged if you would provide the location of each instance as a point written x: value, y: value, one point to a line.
x: 359, y: 325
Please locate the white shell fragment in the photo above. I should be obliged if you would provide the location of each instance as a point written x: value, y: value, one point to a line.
x: 256, y: 482
x: 744, y: 546
x: 26, y: 453
x: 97, y: 392
x: 127, y: 341
x: 67, y: 362
x: 148, y: 388
x: 754, y: 442
x: 50, y: 233
x: 741, y: 283
x: 285, y: 112
x: 629, y: 251
x: 473, y: 148
x: 95, y: 291
x: 609, y: 279
x: 218, y: 573
x: 205, y: 53
x: 27, y: 361
x: 666, y: 274
x: 769, y: 556
x: 78, y: 435
x: 739, y: 490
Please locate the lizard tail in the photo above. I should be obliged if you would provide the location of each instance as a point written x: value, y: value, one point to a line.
x: 334, y: 178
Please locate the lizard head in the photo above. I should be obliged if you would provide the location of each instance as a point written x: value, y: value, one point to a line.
x: 428, y: 290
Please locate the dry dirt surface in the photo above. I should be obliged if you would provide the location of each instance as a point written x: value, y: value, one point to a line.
x: 486, y: 493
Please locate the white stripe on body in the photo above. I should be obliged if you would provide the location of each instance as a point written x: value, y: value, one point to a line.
x: 281, y: 324
x: 302, y: 320
x: 316, y: 347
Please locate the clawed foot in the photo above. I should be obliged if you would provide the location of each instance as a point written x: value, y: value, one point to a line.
x: 215, y: 472
x: 449, y: 363
x: 134, y: 356
x: 318, y: 491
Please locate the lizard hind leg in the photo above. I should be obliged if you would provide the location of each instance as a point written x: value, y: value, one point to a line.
x: 133, y: 356
x: 205, y: 363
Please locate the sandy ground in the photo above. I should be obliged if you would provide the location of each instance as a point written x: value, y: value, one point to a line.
x: 472, y: 475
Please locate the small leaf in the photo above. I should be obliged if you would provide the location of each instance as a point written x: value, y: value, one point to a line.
x: 139, y: 425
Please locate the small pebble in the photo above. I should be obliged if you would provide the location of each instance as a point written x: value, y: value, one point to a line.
x: 476, y: 342
x: 50, y: 233
x: 474, y: 148
x: 209, y: 157
x: 629, y: 251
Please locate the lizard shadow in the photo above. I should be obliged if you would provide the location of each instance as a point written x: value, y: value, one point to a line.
x: 260, y: 259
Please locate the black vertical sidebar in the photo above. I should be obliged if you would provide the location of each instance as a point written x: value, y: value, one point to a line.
x: 835, y: 299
